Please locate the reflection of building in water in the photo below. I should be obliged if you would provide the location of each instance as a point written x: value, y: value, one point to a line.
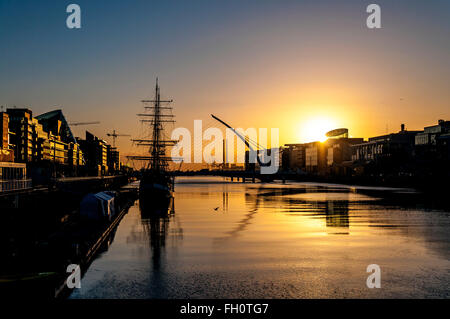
x: 336, y: 213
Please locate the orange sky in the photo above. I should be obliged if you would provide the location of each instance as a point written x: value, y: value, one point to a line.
x: 254, y: 64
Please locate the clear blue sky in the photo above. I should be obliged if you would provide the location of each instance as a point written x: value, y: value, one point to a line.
x: 276, y: 60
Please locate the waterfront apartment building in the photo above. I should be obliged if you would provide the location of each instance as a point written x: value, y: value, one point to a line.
x: 4, y: 130
x: 315, y: 157
x: 431, y: 134
x: 21, y: 125
x: 339, y: 155
x: 13, y: 176
x: 393, y: 147
x: 46, y: 137
x: 56, y: 150
x: 113, y: 159
x: 96, y: 154
x: 294, y: 157
x: 6, y: 152
x: 331, y: 157
x: 75, y: 155
x: 41, y: 142
x: 60, y: 143
x: 432, y: 149
x: 386, y: 154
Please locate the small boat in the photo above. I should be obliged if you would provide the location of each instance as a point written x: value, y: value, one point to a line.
x: 100, y: 206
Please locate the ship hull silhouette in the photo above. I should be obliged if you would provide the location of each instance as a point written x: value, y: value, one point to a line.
x: 155, y: 193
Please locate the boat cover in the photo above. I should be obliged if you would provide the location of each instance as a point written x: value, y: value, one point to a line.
x: 98, y: 206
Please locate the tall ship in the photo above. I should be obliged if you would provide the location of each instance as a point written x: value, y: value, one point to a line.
x: 156, y: 183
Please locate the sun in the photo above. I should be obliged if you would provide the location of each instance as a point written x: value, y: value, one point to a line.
x: 314, y: 129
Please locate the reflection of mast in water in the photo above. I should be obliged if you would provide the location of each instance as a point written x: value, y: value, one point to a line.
x: 157, y: 229
x: 225, y: 200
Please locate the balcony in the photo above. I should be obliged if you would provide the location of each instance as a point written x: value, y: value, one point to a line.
x: 13, y: 177
x: 15, y: 185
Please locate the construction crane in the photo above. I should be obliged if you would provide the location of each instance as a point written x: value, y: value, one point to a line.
x: 83, y: 123
x: 115, y: 135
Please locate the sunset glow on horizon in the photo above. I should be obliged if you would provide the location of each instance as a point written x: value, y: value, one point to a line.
x: 313, y: 130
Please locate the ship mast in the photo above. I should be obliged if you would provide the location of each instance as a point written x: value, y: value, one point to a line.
x: 157, y: 161
x: 154, y: 149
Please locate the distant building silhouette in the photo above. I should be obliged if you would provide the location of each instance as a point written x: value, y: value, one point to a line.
x: 321, y: 158
x: 96, y: 153
x: 418, y: 154
x: 386, y: 153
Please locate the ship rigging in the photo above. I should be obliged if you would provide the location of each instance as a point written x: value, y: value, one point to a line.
x: 156, y: 184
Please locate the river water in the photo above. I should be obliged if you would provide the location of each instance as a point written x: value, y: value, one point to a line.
x: 295, y: 240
